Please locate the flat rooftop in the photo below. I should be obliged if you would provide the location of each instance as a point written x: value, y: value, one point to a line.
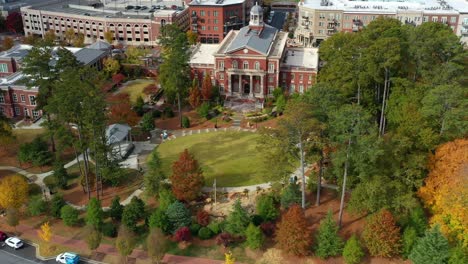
x: 215, y: 2
x: 386, y: 6
x: 301, y: 57
x: 203, y: 54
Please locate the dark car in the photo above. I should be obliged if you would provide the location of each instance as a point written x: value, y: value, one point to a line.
x: 129, y: 7
x: 3, y: 236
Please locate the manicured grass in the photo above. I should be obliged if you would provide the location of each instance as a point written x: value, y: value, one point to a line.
x: 135, y: 89
x: 27, y: 135
x: 230, y: 157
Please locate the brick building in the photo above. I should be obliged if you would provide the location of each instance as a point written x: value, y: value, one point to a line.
x: 130, y: 25
x: 17, y: 100
x: 249, y: 63
x: 213, y: 19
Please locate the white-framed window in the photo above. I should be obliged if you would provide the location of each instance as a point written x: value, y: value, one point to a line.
x: 203, y: 27
x: 215, y: 13
x: 221, y: 76
x: 293, y: 76
x: 23, y: 98
x: 453, y: 19
x: 246, y: 65
x: 270, y: 79
x: 202, y: 13
x: 301, y: 76
x: 234, y: 65
x: 425, y: 18
x: 17, y: 111
x: 270, y: 89
x: 26, y: 112
x: 320, y: 24
x: 292, y: 89
x: 257, y: 65
x: 444, y: 19
x: 221, y: 88
x: 15, y: 98
x: 221, y: 65
x: 2, y: 98
x: 35, y: 114
x: 301, y: 88
x: 3, y: 67
x: 310, y: 77
x: 271, y: 68
x: 320, y: 31
x: 32, y: 100
x: 435, y: 19
x: 215, y: 28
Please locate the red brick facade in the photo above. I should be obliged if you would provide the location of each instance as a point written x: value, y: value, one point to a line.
x: 18, y: 102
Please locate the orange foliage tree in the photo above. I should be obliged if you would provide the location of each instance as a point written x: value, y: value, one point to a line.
x: 381, y: 235
x: 194, y: 97
x: 292, y: 234
x: 207, y: 87
x: 120, y: 110
x: 187, y: 177
x: 446, y: 190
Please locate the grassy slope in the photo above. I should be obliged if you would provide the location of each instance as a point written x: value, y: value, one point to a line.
x: 230, y: 157
x: 136, y: 89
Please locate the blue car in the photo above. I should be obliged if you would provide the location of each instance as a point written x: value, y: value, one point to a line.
x: 68, y: 258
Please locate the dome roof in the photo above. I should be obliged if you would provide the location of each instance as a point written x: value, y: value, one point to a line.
x: 256, y: 10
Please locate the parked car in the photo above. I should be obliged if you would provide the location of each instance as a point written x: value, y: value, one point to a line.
x: 14, y: 242
x: 68, y: 258
x: 3, y: 236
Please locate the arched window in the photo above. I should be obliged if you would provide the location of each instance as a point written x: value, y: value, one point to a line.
x: 128, y: 25
x: 111, y: 25
x: 163, y: 22
x: 234, y: 64
x: 100, y: 24
x: 119, y: 25
x: 257, y: 65
x: 137, y: 26
x: 145, y: 26
x: 246, y: 65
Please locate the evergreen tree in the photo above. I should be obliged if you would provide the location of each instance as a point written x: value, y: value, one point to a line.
x: 238, y: 219
x: 266, y: 207
x: 116, y: 209
x: 353, y: 252
x: 290, y: 195
x: 154, y: 176
x: 159, y: 219
x: 94, y: 214
x: 254, y: 236
x: 179, y: 216
x: 433, y: 248
x: 133, y: 212
x: 329, y: 243
x: 409, y: 239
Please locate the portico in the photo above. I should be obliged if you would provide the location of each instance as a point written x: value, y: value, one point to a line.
x: 246, y: 84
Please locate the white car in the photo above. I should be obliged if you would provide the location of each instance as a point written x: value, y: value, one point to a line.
x: 14, y: 242
x: 68, y: 258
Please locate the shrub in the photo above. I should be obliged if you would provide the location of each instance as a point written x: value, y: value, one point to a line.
x: 156, y: 113
x: 224, y: 239
x: 409, y: 238
x: 37, y: 205
x: 167, y: 112
x: 147, y: 122
x: 94, y: 213
x: 381, y: 235
x: 458, y: 255
x: 185, y: 122
x: 194, y: 228
x: 116, y: 209
x: 178, y: 215
x: 353, y: 252
x: 204, y: 233
x: 183, y: 234
x: 329, y: 243
x: 166, y: 198
x: 60, y: 175
x: 56, y: 205
x: 256, y: 220
x: 266, y: 207
x: 109, y: 229
x: 133, y: 212
x: 268, y: 228
x: 433, y: 248
x: 254, y: 237
x: 290, y: 195
x: 280, y: 103
x: 271, y: 256
x: 238, y: 219
x: 204, y: 110
x: 203, y: 218
x: 37, y: 152
x: 69, y: 215
x: 214, y: 227
x: 160, y: 220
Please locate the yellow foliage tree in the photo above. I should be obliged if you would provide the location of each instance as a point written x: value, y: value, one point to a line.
x: 45, y: 233
x: 229, y: 258
x: 446, y: 190
x: 13, y: 192
x: 109, y: 36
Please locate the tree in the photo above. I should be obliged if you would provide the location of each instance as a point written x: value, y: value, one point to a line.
x: 290, y: 195
x: 78, y: 41
x: 109, y: 37
x: 13, y: 192
x: 37, y: 205
x: 266, y: 207
x: 120, y: 110
x: 329, y: 243
x: 93, y: 238
x: 154, y: 176
x: 195, y: 97
x: 14, y: 22
x: 166, y: 198
x: 203, y: 218
x: 431, y: 249
x: 13, y: 217
x: 381, y: 235
x: 353, y: 252
x: 187, y: 177
x: 229, y: 259
x: 36, y: 152
x: 116, y: 209
x: 159, y: 219
x: 174, y: 71
x: 69, y: 215
x: 293, y: 235
x: 60, y: 175
x: 6, y: 131
x: 45, y: 233
x: 458, y: 255
x: 409, y: 239
x: 238, y: 220
x: 8, y: 43
x: 157, y: 245
x: 125, y: 242
x: 56, y: 204
x: 254, y: 236
x: 69, y: 36
x: 178, y: 215
x: 183, y: 234
x: 445, y: 189
x: 192, y: 37
x: 207, y: 87
x: 94, y: 213
x: 111, y: 66
x: 147, y: 122
x: 133, y: 212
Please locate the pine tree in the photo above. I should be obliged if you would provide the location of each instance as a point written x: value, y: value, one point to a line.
x: 353, y: 252
x: 116, y: 209
x: 381, y: 235
x: 433, y: 248
x: 179, y: 216
x: 187, y: 177
x: 293, y: 235
x: 238, y: 219
x: 94, y: 213
x: 254, y: 237
x: 329, y: 243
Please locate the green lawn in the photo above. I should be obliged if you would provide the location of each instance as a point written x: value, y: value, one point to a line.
x: 135, y: 89
x: 230, y: 157
x: 27, y: 135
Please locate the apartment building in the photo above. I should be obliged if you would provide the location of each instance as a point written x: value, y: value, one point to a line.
x: 320, y: 19
x: 130, y: 25
x: 213, y: 19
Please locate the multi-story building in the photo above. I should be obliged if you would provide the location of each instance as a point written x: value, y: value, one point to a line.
x: 213, y: 19
x: 462, y: 27
x: 10, y: 6
x: 319, y: 19
x: 249, y: 63
x: 17, y: 100
x: 130, y: 25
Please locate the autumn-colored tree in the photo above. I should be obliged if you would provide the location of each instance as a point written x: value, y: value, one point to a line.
x: 445, y: 191
x: 187, y: 177
x: 292, y: 234
x: 125, y: 242
x: 195, y: 97
x: 192, y: 37
x: 118, y: 78
x: 45, y: 233
x: 78, y: 40
x: 50, y: 37
x: 8, y: 43
x: 150, y: 89
x: 13, y: 192
x: 69, y: 35
x: 14, y: 22
x: 120, y: 110
x: 207, y: 87
x: 111, y: 66
x: 381, y: 235
x: 109, y: 37
x: 229, y: 259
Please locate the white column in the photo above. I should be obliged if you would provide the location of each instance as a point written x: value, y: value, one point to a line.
x: 251, y: 94
x: 240, y: 85
x: 229, y: 84
x: 262, y: 89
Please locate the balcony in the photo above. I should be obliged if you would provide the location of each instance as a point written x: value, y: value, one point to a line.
x: 357, y: 22
x: 464, y: 32
x: 306, y: 18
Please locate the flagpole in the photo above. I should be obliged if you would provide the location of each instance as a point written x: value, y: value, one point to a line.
x: 214, y: 185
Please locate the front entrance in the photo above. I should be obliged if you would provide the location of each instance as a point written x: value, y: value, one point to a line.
x: 246, y: 88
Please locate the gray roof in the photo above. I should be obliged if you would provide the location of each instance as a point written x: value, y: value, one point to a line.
x: 116, y: 133
x: 87, y: 56
x: 100, y: 45
x: 251, y: 39
x: 256, y: 10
